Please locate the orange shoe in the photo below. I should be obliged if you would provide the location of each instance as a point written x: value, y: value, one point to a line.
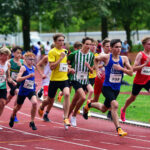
x: 66, y: 122
x: 40, y: 112
x: 121, y: 132
x: 86, y: 110
x: 59, y: 97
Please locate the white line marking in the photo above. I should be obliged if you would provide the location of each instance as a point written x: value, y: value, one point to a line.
x: 81, y: 140
x: 5, y: 148
x: 42, y: 148
x: 109, y: 143
x: 138, y: 135
x: 56, y: 137
x: 18, y: 145
x: 140, y: 147
x: 45, y: 137
x: 9, y: 131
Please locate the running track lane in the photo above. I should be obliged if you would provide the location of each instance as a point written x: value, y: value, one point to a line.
x: 90, y: 134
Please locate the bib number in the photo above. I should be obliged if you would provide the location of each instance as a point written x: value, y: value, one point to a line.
x: 63, y: 67
x: 115, y: 78
x: 82, y: 75
x: 28, y: 84
x: 2, y: 79
x: 145, y: 71
x: 14, y: 75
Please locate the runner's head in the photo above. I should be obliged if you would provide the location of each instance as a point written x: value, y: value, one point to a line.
x: 106, y: 45
x: 146, y: 43
x: 116, y: 45
x: 29, y: 58
x: 17, y: 52
x: 86, y: 43
x: 77, y: 45
x: 4, y: 54
x: 59, y: 40
x: 93, y: 46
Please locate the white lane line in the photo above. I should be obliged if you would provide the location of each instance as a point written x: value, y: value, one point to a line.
x: 81, y: 140
x: 109, y: 143
x: 45, y: 137
x: 56, y: 137
x: 42, y: 148
x: 138, y: 135
x: 140, y: 147
x: 5, y: 148
x: 57, y: 127
x: 18, y: 145
x: 89, y: 130
x: 8, y: 131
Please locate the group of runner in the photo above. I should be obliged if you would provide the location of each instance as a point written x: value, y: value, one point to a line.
x: 80, y: 69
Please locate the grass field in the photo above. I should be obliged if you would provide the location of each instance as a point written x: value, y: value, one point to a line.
x: 138, y: 110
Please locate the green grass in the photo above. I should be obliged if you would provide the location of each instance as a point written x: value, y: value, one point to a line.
x: 137, y: 111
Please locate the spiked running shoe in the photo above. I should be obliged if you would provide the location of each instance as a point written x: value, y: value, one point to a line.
x: 121, y: 132
x: 59, y: 97
x: 45, y: 118
x: 32, y: 125
x: 67, y: 122
x: 73, y: 121
x: 85, y: 110
x: 40, y: 111
x: 122, y: 115
x: 16, y: 120
x: 11, y: 122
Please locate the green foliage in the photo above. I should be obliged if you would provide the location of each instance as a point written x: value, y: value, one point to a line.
x: 137, y: 48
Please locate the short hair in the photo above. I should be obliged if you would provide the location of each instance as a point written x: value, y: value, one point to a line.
x: 5, y: 50
x: 57, y: 35
x: 16, y: 48
x: 52, y: 45
x: 145, y: 39
x: 77, y: 45
x: 29, y: 54
x: 114, y: 41
x: 85, y: 39
x: 106, y: 40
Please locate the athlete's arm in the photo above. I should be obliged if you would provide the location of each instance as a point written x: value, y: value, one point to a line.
x: 53, y: 65
x: 20, y: 78
x: 41, y: 63
x: 137, y: 66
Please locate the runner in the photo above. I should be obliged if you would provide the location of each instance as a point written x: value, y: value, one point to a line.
x: 15, y: 64
x: 142, y: 78
x: 45, y: 81
x: 27, y: 89
x: 59, y: 78
x: 115, y: 66
x: 4, y: 56
x: 82, y: 62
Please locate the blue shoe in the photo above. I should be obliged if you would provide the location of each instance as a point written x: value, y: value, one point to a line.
x: 16, y: 120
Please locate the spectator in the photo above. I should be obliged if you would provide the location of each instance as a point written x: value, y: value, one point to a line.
x: 125, y: 48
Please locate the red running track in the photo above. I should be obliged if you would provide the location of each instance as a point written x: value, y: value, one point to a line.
x: 89, y: 134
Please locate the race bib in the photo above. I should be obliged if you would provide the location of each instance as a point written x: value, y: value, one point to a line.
x: 63, y: 67
x: 82, y: 75
x: 28, y: 84
x: 115, y: 78
x: 14, y: 75
x: 145, y: 71
x: 2, y: 78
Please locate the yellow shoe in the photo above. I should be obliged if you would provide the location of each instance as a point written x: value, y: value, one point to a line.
x: 59, y: 97
x: 66, y: 122
x: 121, y: 132
x: 40, y: 112
x: 78, y: 112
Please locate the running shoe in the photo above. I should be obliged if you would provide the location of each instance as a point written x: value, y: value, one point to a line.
x: 89, y: 113
x: 40, y: 112
x: 16, y: 120
x: 40, y: 93
x: 122, y: 115
x: 121, y: 132
x: 11, y: 122
x: 78, y: 111
x: 109, y: 116
x: 73, y: 121
x: 85, y: 110
x: 45, y: 118
x: 32, y: 125
x: 59, y: 97
x: 67, y: 122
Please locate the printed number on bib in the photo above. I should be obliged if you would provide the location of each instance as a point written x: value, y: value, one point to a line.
x: 63, y: 67
x: 82, y: 75
x: 115, y: 78
x: 28, y: 84
x: 14, y: 75
x: 2, y: 78
x: 145, y: 71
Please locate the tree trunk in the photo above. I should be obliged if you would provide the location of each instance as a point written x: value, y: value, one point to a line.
x: 26, y: 26
x: 104, y: 27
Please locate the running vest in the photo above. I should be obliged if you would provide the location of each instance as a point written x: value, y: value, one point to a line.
x: 14, y: 69
x: 27, y: 85
x: 3, y: 70
x: 143, y: 75
x: 113, y: 78
x: 47, y: 72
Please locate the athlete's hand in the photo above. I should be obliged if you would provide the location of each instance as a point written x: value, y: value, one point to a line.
x: 117, y: 67
x: 87, y: 64
x: 19, y: 64
x: 72, y: 71
x: 43, y: 76
x: 62, y: 55
x: 14, y: 83
x: 31, y: 75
